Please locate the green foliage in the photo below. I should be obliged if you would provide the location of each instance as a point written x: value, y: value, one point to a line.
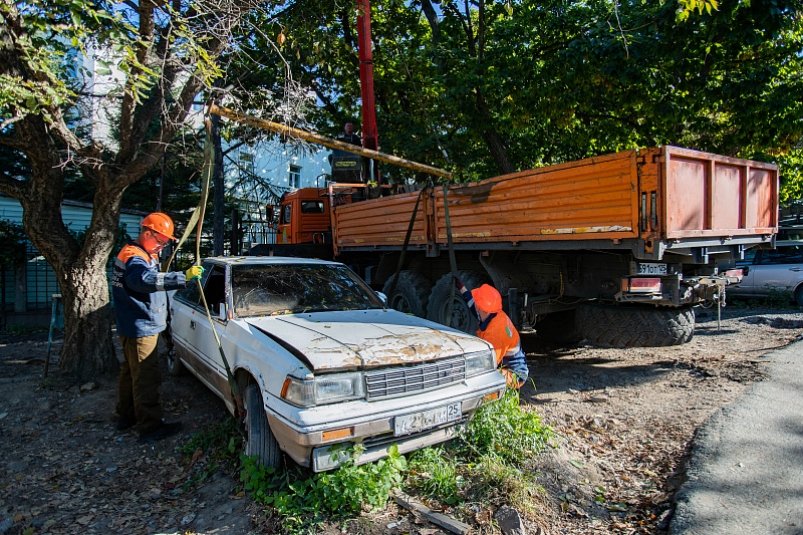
x: 505, y: 430
x: 435, y: 474
x: 491, y: 480
x: 303, y: 503
x: 216, y: 445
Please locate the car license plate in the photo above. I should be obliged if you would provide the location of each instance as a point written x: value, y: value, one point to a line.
x: 419, y: 421
x: 651, y: 269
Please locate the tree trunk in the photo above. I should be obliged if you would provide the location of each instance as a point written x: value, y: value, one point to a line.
x: 88, y: 349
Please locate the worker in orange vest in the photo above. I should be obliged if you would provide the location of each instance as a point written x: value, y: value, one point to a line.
x: 497, y: 329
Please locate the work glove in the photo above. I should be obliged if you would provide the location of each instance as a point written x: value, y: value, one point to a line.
x: 458, y: 284
x: 194, y: 273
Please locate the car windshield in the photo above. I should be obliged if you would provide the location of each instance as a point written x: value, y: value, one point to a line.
x: 269, y: 290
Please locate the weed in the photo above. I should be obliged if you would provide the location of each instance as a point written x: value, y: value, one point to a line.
x: 494, y: 481
x: 506, y: 430
x: 342, y: 493
x: 435, y: 474
x: 217, y: 444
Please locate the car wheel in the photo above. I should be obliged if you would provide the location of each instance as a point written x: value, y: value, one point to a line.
x: 448, y: 308
x: 259, y: 439
x: 410, y: 294
x: 174, y: 365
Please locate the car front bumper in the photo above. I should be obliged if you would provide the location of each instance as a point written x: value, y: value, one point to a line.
x: 320, y: 443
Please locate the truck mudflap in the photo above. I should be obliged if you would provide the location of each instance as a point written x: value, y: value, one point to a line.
x: 676, y: 290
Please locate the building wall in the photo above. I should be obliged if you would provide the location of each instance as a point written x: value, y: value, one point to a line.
x: 40, y: 280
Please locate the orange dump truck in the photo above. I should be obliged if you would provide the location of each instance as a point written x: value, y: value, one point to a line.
x: 616, y: 249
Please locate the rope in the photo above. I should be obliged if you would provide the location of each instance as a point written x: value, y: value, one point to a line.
x: 403, y: 254
x: 450, y: 244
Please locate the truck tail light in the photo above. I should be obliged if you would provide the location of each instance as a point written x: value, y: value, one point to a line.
x: 641, y: 284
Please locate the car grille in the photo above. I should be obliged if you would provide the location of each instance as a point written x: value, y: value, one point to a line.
x: 405, y: 380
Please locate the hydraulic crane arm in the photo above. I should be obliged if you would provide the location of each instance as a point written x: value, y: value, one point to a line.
x: 312, y: 137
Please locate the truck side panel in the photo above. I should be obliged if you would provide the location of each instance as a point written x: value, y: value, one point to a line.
x: 590, y: 199
x: 380, y: 222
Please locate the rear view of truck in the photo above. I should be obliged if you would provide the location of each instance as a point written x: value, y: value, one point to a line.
x: 621, y: 245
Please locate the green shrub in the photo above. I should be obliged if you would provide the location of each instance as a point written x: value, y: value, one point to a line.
x: 434, y: 473
x: 304, y: 503
x: 507, y: 431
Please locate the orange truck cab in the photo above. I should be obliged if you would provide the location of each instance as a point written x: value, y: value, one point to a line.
x: 304, y: 217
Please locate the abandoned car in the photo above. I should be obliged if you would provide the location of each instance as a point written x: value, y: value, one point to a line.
x: 320, y: 363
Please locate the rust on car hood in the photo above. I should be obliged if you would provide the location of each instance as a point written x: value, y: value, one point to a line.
x: 348, y: 340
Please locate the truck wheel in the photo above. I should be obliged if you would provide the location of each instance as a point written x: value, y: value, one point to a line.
x: 558, y: 328
x: 799, y: 296
x: 411, y: 293
x: 634, y: 326
x: 259, y: 439
x: 440, y: 305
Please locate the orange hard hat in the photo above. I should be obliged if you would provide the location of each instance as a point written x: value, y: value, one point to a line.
x: 487, y: 298
x: 161, y: 223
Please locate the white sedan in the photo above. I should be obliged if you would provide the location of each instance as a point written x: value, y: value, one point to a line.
x: 319, y: 361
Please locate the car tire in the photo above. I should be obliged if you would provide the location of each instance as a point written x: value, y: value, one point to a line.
x: 174, y: 365
x: 410, y: 294
x: 455, y: 313
x: 634, y: 326
x: 259, y: 439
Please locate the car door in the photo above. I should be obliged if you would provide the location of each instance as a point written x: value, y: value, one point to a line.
x: 778, y: 269
x: 192, y: 329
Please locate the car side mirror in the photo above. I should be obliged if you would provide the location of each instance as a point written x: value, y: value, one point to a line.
x: 382, y: 297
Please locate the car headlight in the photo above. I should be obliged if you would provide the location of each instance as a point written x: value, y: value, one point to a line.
x: 480, y: 362
x: 323, y: 389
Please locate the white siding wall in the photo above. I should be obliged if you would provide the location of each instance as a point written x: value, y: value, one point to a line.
x: 41, y: 281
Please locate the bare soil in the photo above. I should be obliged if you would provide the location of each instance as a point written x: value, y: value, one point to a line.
x: 625, y: 421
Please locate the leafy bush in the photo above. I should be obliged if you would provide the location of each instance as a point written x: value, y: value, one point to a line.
x: 434, y: 473
x: 342, y: 493
x: 507, y: 431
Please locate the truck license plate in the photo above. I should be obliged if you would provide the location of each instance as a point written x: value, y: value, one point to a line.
x: 651, y: 269
x: 412, y: 423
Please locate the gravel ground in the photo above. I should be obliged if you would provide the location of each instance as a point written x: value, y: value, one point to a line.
x: 625, y: 419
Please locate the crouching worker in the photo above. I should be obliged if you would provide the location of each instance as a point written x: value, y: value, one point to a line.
x: 497, y: 329
x: 140, y: 306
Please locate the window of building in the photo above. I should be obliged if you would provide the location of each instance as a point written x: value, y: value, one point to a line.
x: 294, y: 178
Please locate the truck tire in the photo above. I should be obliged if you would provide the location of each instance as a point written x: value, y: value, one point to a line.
x: 634, y: 326
x: 440, y: 307
x: 259, y: 439
x: 799, y: 296
x: 411, y: 293
x: 558, y: 328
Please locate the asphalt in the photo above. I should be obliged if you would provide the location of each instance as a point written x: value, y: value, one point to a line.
x: 746, y: 468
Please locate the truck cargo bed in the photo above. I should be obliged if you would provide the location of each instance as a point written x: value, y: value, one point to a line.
x: 651, y: 201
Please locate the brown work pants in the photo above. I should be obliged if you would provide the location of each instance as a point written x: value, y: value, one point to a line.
x: 140, y: 378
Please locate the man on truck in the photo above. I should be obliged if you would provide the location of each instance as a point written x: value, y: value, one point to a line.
x: 497, y: 329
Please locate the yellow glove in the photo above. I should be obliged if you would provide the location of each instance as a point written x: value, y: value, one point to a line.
x: 194, y: 273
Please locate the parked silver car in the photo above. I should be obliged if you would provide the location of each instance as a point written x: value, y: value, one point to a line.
x: 322, y: 363
x: 766, y: 271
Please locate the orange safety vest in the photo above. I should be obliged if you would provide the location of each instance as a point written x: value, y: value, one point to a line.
x: 504, y: 338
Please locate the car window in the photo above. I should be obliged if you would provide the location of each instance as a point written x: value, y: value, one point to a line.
x: 287, y: 211
x: 214, y: 284
x: 295, y: 288
x: 782, y: 255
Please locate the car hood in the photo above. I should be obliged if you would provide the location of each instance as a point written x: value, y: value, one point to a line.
x: 348, y: 340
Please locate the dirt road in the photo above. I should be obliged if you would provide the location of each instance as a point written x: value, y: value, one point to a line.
x: 626, y: 418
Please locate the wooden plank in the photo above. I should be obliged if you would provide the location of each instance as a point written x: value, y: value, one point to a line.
x: 439, y: 519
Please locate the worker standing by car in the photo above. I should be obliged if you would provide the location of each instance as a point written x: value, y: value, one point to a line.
x: 140, y: 305
x: 497, y: 329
